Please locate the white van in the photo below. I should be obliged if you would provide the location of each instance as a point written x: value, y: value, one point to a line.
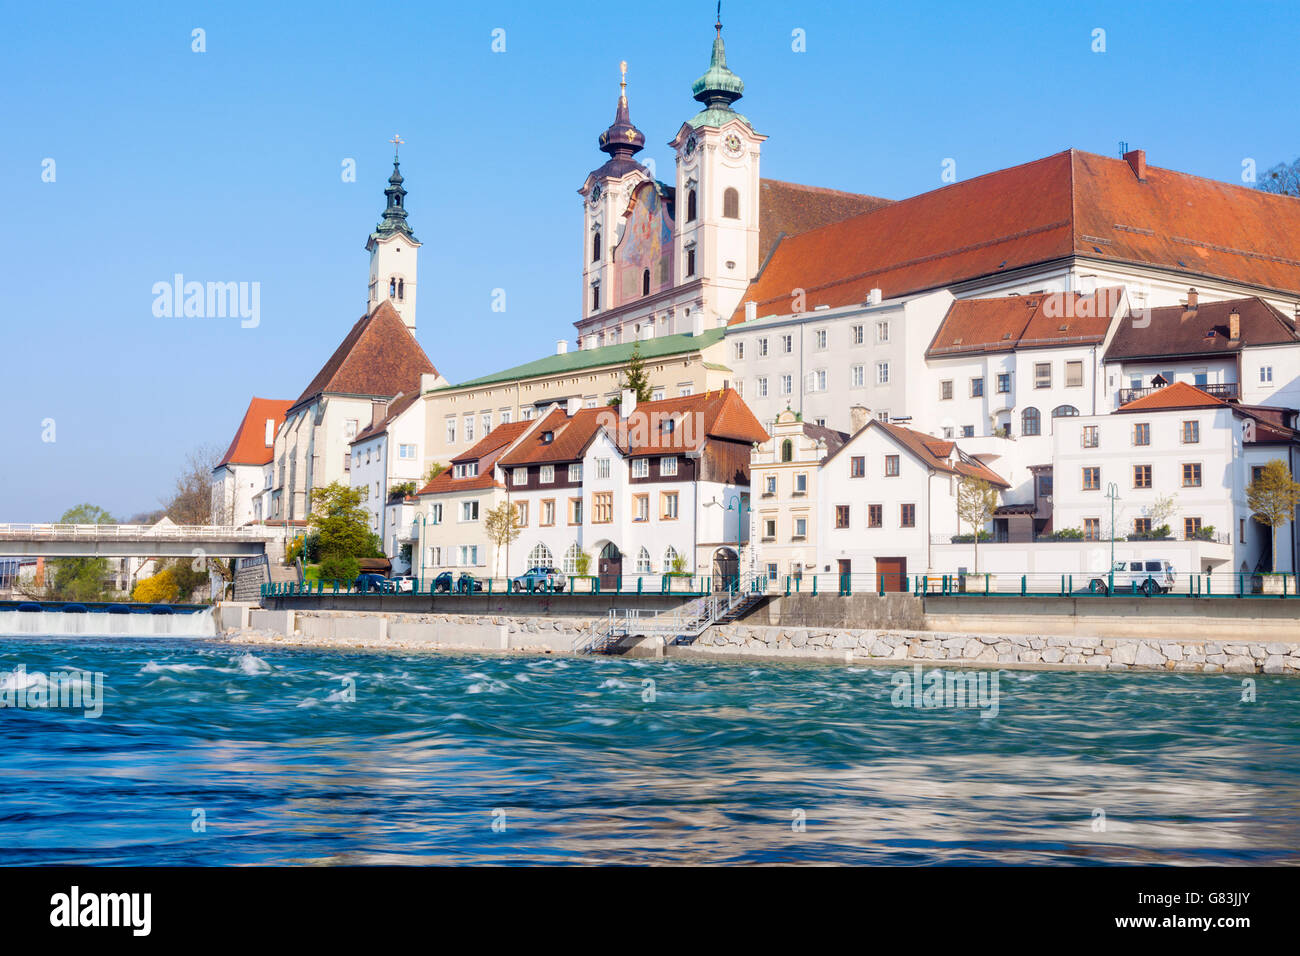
x: 1149, y: 577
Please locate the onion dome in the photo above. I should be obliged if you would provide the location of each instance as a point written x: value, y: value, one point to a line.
x: 394, y: 220
x: 718, y: 88
x: 622, y: 139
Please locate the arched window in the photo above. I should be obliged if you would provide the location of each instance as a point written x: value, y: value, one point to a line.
x: 787, y: 450
x: 731, y: 204
x: 670, y: 558
x: 401, y: 289
x: 690, y: 206
x: 595, y: 247
x: 643, y: 561
x: 1064, y: 411
x: 392, y: 288
x: 645, y: 282
x: 540, y: 556
x: 1030, y: 422
x: 571, y: 559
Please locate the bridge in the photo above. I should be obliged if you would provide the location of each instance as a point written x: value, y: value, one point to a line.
x: 162, y: 540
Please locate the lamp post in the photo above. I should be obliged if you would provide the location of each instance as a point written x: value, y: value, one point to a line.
x: 737, y: 504
x: 1112, y: 492
x: 419, y: 554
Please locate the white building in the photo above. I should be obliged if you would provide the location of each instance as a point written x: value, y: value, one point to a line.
x: 241, y: 476
x: 387, y: 457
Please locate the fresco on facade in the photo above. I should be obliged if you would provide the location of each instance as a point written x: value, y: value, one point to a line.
x: 647, y: 243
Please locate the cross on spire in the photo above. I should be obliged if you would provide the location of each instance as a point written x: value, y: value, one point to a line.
x: 397, y: 142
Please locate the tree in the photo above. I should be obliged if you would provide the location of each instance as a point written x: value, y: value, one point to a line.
x: 80, y: 579
x: 1273, y: 497
x: 343, y: 525
x: 161, y: 588
x: 1282, y: 178
x: 635, y: 378
x: 502, y: 527
x: 436, y: 469
x: 976, y: 502
x: 1161, y: 510
x: 191, y: 500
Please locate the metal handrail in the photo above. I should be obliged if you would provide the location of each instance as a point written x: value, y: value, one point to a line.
x: 40, y: 532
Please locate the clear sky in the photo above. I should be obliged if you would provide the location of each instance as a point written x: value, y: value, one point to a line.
x: 226, y: 166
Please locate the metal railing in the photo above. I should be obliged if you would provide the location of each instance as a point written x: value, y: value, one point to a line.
x: 1225, y: 390
x: 111, y: 532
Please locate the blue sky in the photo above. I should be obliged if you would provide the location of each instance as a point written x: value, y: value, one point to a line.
x: 225, y: 166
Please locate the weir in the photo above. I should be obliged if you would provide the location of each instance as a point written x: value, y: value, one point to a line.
x: 14, y: 623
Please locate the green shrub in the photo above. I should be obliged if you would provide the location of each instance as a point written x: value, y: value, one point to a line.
x: 339, y: 567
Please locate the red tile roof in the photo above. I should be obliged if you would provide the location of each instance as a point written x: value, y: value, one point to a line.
x: 1072, y: 203
x: 1204, y: 330
x: 697, y: 418
x: 788, y: 209
x: 396, y: 407
x: 249, y: 446
x: 1025, y: 321
x: 933, y: 452
x: 378, y: 359
x: 497, y: 438
x: 1177, y: 395
x: 485, y: 451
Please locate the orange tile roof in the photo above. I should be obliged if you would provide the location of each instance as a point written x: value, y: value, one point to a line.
x: 378, y: 358
x: 496, y: 439
x: 931, y: 451
x: 485, y: 451
x: 1070, y: 204
x: 788, y: 209
x: 1178, y: 330
x: 721, y: 414
x: 1177, y: 395
x: 249, y: 446
x: 1025, y: 321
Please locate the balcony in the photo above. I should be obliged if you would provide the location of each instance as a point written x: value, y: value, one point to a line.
x: 1228, y: 391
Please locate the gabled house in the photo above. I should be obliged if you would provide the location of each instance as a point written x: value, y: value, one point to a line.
x: 242, y: 476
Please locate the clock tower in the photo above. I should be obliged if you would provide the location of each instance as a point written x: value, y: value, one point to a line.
x: 394, y: 251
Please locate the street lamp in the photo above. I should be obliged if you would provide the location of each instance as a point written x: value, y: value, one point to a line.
x: 1112, y: 492
x: 737, y: 504
x: 419, y: 553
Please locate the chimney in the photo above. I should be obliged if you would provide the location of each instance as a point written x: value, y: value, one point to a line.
x: 1193, y: 300
x: 1234, y: 325
x: 751, y: 311
x: 859, y: 415
x: 561, y: 346
x: 573, y: 406
x: 697, y: 322
x: 874, y: 297
x: 626, y: 403
x: 428, y: 382
x: 1137, y: 158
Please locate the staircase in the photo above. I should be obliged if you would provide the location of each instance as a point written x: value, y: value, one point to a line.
x: 679, y: 626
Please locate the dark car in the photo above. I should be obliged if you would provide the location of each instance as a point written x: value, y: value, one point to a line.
x: 540, y: 579
x: 373, y: 583
x: 446, y: 582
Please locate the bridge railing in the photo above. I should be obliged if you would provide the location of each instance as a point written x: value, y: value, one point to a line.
x: 109, y: 532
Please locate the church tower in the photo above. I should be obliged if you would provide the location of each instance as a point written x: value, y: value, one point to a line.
x: 394, y: 251
x: 718, y: 186
x: 606, y: 193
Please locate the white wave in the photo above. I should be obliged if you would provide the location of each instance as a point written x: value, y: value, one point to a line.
x: 251, y: 664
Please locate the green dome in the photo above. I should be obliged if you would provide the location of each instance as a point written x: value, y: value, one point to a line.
x: 718, y: 88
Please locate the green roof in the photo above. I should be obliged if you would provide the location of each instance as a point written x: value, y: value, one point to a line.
x: 595, y: 358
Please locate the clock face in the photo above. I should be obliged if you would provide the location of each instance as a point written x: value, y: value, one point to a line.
x: 690, y: 146
x: 732, y: 144
x: 596, y: 193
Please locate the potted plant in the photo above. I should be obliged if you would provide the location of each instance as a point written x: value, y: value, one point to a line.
x: 581, y: 581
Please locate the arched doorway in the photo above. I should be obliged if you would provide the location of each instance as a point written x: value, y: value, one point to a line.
x: 610, y: 566
x: 726, y: 569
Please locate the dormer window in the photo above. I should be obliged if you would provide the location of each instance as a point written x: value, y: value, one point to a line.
x: 548, y: 437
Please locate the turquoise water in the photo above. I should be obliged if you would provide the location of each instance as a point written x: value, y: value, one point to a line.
x: 728, y: 763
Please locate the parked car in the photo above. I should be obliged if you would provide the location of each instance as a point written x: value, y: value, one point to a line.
x: 540, y: 579
x: 370, y: 582
x: 1149, y: 577
x: 404, y: 583
x: 446, y: 582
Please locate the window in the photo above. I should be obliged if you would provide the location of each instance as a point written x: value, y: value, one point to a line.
x: 519, y: 476
x: 1141, y: 476
x: 968, y: 431
x: 1192, y: 475
x: 787, y: 384
x: 1191, y: 527
x: 541, y: 557
x: 690, y: 206
x: 643, y: 561
x: 668, y: 465
x: 762, y: 348
x: 907, y: 516
x: 521, y: 513
x: 595, y: 296
x: 976, y: 388
x: 468, y: 555
x: 435, y: 557
x: 1092, y: 478
x: 891, y: 466
x: 857, y: 467
x: 570, y: 565
x: 547, y: 475
x: 875, y: 516
x: 657, y: 395
x: 451, y: 431
x: 645, y: 282
x: 882, y: 332
x: 1141, y: 525
x: 817, y: 380
x: 1191, y: 432
x: 1092, y: 529
x: 1031, y: 422
x: 668, y: 500
x: 640, y: 467
x: 787, y: 450
x: 730, y: 203
x: 435, y: 514
x: 1265, y: 374
x: 769, y: 486
x: 1142, y: 433
x: 841, y: 516
x: 858, y: 335
x: 787, y: 344
x: 575, y: 471
x: 858, y: 376
x: 800, y: 529
x: 487, y: 422
x: 469, y: 511
x: 548, y: 513
x: 801, y: 484
x: 505, y: 416
x: 769, y: 529
x: 1255, y: 472
x: 469, y: 427
x: 406, y: 451
x: 1065, y: 411
x: 690, y: 260
x: 1042, y: 375
x: 602, y: 468
x: 1074, y: 375
x: 945, y: 389
x: 740, y: 351
x: 1004, y: 382
x: 602, y: 507
x: 640, y: 507
x: 882, y: 373
x: 671, y: 559
x: 819, y: 339
x: 762, y: 387
x: 1088, y: 437
x: 1044, y: 486
x: 575, y: 511
x: 948, y: 431
x: 595, y: 246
